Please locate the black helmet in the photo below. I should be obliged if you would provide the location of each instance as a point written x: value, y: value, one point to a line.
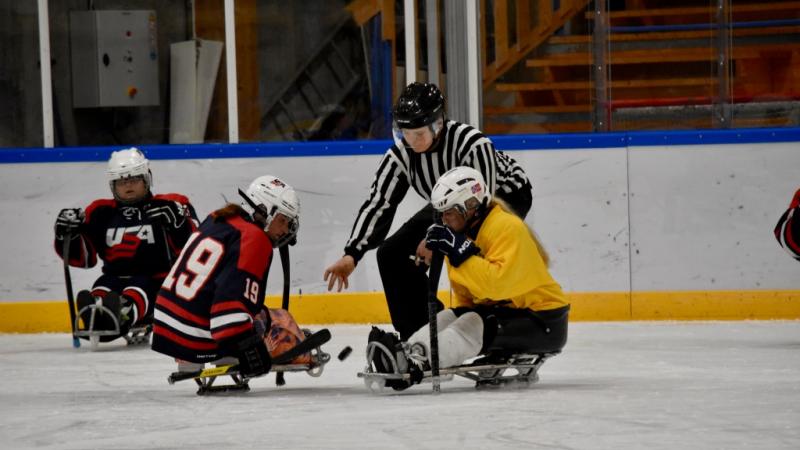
x: 420, y: 104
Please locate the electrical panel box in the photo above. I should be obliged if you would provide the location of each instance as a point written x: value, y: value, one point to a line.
x: 114, y: 58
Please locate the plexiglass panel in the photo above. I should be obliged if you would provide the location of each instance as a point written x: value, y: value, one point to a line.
x: 322, y: 70
x: 617, y: 65
x: 537, y: 66
x: 20, y: 80
x: 131, y: 72
x: 118, y: 74
x: 764, y: 72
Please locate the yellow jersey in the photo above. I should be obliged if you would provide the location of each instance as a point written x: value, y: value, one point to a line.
x: 508, y: 268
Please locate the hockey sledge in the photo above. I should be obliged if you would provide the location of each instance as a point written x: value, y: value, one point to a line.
x: 206, y: 378
x: 103, y: 324
x: 518, y: 370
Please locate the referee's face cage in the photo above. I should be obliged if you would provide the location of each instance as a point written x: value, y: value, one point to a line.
x: 459, y: 190
x: 268, y: 196
x: 420, y: 105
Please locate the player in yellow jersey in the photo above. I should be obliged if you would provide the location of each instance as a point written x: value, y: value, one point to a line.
x: 505, y: 300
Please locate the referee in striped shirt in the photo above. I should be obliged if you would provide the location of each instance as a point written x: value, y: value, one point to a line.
x: 426, y: 146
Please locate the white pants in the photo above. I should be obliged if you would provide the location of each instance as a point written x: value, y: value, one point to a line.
x: 460, y: 338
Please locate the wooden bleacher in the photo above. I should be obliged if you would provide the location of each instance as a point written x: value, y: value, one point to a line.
x: 537, y: 61
x: 673, y: 59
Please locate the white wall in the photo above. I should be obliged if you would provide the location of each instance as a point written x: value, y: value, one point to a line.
x: 701, y: 216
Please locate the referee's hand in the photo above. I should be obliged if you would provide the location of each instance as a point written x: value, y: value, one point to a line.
x: 423, y: 255
x: 338, y: 272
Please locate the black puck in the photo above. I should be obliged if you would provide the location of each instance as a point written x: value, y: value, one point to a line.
x: 345, y: 353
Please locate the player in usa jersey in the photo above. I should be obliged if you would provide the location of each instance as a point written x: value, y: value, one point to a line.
x: 211, y: 305
x: 136, y: 234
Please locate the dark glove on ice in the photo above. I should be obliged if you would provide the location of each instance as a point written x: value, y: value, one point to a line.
x: 254, y: 359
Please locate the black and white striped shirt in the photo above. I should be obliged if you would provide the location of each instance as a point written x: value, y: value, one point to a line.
x: 401, y: 168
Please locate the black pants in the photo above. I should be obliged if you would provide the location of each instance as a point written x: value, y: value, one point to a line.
x: 404, y: 283
x: 512, y: 330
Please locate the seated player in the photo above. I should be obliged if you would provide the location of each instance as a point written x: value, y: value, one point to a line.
x: 135, y: 233
x: 505, y: 301
x: 211, y: 305
x: 787, y: 231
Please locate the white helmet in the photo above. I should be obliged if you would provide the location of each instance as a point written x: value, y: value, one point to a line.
x: 269, y: 196
x: 128, y: 163
x: 462, y: 188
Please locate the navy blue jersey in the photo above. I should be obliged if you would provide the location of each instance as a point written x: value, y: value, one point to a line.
x: 210, y: 297
x: 128, y: 242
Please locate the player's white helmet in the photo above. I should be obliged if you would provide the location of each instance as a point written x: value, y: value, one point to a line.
x: 128, y: 163
x: 269, y: 196
x: 462, y: 188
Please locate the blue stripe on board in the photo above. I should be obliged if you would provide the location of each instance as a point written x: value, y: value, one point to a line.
x: 704, y: 137
x: 198, y: 151
x: 376, y: 147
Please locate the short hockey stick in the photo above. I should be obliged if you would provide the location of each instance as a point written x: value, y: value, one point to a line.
x: 437, y: 261
x: 284, y: 251
x: 315, y: 340
x: 68, y: 281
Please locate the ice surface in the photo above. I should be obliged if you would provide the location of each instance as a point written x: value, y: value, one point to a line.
x: 631, y: 385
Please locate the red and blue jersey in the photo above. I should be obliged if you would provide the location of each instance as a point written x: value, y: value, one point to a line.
x: 787, y: 231
x: 128, y: 242
x: 216, y: 287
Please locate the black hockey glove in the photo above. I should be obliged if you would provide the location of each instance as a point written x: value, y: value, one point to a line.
x: 68, y: 222
x: 254, y: 359
x: 456, y: 246
x: 171, y: 213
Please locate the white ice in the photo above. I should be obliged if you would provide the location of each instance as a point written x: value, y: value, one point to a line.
x: 629, y: 385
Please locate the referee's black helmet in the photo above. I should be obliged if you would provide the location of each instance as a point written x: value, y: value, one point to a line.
x: 419, y: 104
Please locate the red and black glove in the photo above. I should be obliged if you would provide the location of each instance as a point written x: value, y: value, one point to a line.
x: 69, y: 222
x: 168, y: 213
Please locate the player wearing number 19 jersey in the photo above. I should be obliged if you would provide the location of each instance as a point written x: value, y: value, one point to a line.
x: 207, y: 304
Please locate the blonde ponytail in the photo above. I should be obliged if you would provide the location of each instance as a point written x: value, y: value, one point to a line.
x: 507, y: 208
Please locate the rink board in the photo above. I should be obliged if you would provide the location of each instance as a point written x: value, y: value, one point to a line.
x: 35, y: 317
x: 638, y: 225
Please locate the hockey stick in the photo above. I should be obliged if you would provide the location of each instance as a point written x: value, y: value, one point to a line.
x: 68, y: 281
x: 437, y: 261
x: 315, y: 340
x: 170, y: 256
x: 284, y: 251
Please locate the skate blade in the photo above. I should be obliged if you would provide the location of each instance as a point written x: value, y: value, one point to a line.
x: 486, y: 376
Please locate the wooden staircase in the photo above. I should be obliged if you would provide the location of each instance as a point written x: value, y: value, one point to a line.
x: 662, y: 65
x: 534, y: 21
x: 662, y: 61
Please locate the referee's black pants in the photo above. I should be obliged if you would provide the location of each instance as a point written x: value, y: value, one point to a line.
x: 404, y: 283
